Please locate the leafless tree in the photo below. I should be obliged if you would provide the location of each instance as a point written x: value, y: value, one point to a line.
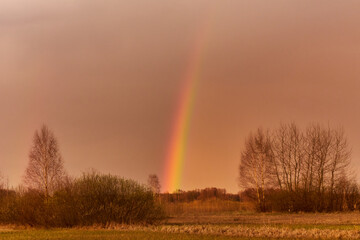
x: 256, y: 160
x: 45, y: 171
x: 2, y: 181
x: 306, y: 167
x: 327, y: 161
x: 339, y: 161
x: 287, y: 145
x: 154, y: 183
x: 288, y: 149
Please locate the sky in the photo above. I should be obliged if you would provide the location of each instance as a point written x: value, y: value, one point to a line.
x: 105, y: 76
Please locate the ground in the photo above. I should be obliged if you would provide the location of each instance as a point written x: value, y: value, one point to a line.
x: 219, y: 226
x: 99, y: 235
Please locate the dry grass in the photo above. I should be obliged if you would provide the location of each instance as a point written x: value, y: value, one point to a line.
x: 269, y: 218
x: 270, y: 225
x: 212, y: 207
x: 264, y: 226
x: 262, y: 231
x: 246, y: 231
x: 11, y: 228
x: 244, y: 226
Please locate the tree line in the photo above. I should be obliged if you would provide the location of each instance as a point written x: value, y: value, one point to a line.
x: 198, y: 194
x: 294, y: 169
x: 49, y: 197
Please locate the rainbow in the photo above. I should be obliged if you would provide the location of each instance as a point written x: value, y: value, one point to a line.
x: 181, y: 124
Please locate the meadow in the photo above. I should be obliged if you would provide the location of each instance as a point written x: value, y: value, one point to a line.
x: 98, y: 234
x: 235, y: 225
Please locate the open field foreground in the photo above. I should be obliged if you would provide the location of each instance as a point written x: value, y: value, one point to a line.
x: 330, y: 219
x: 253, y: 226
x: 100, y: 234
x: 186, y: 232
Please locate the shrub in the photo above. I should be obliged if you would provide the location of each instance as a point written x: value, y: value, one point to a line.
x: 106, y: 198
x: 91, y: 199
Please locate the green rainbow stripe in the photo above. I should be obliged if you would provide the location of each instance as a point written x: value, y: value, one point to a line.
x: 178, y: 144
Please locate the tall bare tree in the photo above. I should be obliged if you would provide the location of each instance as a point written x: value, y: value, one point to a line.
x: 256, y: 160
x: 2, y: 181
x: 287, y: 145
x: 339, y: 162
x: 45, y: 171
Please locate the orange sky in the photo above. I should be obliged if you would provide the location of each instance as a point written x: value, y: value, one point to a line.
x: 105, y: 76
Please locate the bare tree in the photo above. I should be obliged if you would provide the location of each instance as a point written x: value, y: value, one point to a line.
x: 305, y: 167
x: 154, y: 183
x: 45, y: 171
x: 339, y: 162
x: 2, y: 181
x: 328, y: 158
x: 255, y: 165
x: 288, y: 151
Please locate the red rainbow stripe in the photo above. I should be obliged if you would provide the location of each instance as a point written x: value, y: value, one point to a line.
x: 181, y: 128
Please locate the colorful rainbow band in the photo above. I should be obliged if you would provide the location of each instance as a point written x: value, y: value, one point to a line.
x: 178, y: 144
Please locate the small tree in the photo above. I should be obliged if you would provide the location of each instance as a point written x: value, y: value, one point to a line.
x: 154, y: 183
x: 45, y: 171
x: 2, y: 181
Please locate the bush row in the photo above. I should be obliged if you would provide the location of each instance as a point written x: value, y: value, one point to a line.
x: 91, y: 199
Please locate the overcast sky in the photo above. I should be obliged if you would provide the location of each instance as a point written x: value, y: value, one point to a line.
x: 105, y: 76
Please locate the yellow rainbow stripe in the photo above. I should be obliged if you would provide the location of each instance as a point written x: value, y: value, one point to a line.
x: 178, y: 144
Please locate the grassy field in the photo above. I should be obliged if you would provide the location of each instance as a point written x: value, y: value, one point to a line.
x: 100, y: 235
x: 352, y: 218
x: 220, y: 226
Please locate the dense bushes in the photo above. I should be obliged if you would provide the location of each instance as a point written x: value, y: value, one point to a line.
x: 346, y: 198
x: 91, y: 199
x: 103, y: 197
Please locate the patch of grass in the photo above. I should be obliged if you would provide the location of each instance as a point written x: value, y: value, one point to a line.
x: 304, y: 219
x: 213, y: 206
x: 320, y: 226
x: 216, y: 226
x: 289, y: 226
x: 105, y: 235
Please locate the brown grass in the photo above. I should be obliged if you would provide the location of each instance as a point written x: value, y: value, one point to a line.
x: 252, y: 225
x: 246, y: 231
x: 212, y: 207
x: 9, y: 228
x: 263, y: 231
x: 352, y: 218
